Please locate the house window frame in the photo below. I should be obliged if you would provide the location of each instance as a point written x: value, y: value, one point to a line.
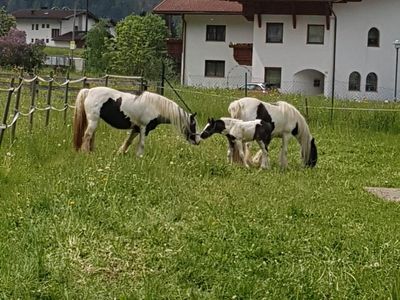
x: 373, y: 88
x: 371, y: 42
x: 216, y: 36
x: 208, y: 64
x: 266, y: 80
x: 268, y: 38
x: 37, y: 26
x: 53, y: 35
x: 308, y: 34
x: 354, y: 85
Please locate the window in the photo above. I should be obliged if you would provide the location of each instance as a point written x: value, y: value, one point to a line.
x: 76, y: 28
x: 47, y: 25
x: 55, y: 33
x: 272, y: 77
x: 47, y: 40
x: 354, y: 81
x: 317, y: 83
x: 43, y: 25
x: 33, y: 26
x: 37, y: 26
x: 215, y: 68
x: 274, y: 32
x: 32, y: 40
x: 315, y: 34
x: 215, y: 33
x: 372, y: 83
x: 373, y: 37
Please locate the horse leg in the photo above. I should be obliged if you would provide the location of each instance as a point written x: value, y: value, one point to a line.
x: 128, y: 141
x: 140, y: 146
x: 264, y: 158
x: 88, y: 137
x: 239, y: 146
x: 247, y: 153
x: 283, y: 154
x: 231, y: 150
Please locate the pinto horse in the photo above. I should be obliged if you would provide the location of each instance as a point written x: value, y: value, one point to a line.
x: 237, y: 132
x: 139, y: 113
x: 287, y: 123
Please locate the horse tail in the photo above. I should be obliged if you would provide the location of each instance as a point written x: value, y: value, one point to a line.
x: 80, y: 120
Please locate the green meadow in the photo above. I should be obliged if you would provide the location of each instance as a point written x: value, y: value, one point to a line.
x: 180, y: 223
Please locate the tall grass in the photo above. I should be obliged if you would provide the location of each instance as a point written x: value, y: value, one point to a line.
x: 181, y: 223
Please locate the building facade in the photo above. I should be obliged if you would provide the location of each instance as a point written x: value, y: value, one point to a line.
x: 312, y: 48
x: 55, y: 27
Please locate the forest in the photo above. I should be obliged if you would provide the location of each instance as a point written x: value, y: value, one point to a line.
x: 113, y: 9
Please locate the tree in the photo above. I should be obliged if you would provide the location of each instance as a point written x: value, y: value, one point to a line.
x: 138, y: 46
x: 96, y: 46
x: 6, y: 22
x: 14, y: 51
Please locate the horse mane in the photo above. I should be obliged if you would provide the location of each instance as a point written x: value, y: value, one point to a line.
x: 167, y: 109
x: 304, y: 135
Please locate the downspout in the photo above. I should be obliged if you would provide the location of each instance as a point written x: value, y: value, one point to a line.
x: 333, y: 60
x: 183, y: 68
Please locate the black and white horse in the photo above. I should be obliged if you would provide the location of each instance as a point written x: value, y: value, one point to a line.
x: 287, y: 122
x: 139, y: 113
x: 239, y: 132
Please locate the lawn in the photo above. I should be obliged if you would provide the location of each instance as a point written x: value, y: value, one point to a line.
x: 181, y: 223
x: 57, y: 51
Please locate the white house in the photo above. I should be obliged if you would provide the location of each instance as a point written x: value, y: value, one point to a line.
x: 55, y: 27
x: 325, y: 47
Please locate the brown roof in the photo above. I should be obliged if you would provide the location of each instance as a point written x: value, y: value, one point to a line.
x: 198, y: 7
x: 79, y: 35
x: 58, y: 14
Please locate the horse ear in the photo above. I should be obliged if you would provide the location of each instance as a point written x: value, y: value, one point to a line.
x: 212, y: 120
x: 195, y: 114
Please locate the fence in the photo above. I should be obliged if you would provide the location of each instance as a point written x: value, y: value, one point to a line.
x: 52, y: 88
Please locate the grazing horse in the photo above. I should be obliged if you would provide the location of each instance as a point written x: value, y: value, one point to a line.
x: 287, y: 121
x: 139, y: 113
x: 237, y: 132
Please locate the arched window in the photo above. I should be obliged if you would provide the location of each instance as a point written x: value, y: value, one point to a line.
x: 372, y: 83
x: 373, y: 37
x: 354, y: 81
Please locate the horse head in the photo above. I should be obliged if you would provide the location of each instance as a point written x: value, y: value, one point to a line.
x: 313, y: 156
x: 191, y: 134
x: 213, y: 126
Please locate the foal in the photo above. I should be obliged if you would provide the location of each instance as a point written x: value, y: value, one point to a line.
x: 239, y: 132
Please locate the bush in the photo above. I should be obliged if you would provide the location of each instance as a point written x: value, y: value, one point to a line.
x: 15, y: 52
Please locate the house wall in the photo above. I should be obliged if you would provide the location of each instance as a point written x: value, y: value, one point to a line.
x: 42, y: 33
x: 198, y: 50
x: 80, y: 21
x: 293, y: 55
x: 354, y: 22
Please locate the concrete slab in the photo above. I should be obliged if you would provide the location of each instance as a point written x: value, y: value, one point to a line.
x: 390, y: 194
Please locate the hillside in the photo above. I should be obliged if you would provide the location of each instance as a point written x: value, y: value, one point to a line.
x: 114, y: 9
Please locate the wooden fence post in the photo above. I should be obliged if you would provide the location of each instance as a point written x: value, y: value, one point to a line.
x: 33, y: 96
x: 106, y: 80
x: 66, y: 99
x: 17, y: 101
x: 6, y: 109
x: 49, y: 91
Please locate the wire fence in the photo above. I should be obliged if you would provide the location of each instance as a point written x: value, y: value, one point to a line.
x: 22, y: 96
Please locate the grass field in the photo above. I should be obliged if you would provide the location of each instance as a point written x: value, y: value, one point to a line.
x: 182, y: 224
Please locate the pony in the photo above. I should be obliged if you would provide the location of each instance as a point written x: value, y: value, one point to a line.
x: 140, y: 113
x: 237, y: 132
x: 287, y: 121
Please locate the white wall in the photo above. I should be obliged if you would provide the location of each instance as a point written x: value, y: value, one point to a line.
x: 198, y: 50
x: 354, y: 22
x: 294, y: 54
x: 42, y: 33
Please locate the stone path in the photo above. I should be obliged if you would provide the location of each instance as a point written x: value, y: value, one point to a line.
x: 390, y: 194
